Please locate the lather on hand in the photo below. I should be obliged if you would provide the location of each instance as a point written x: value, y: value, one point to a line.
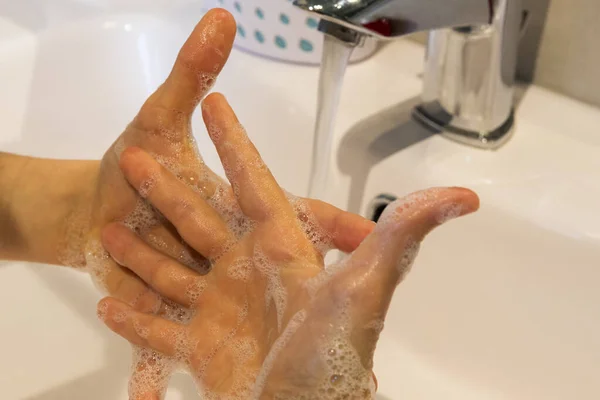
x: 49, y: 209
x: 268, y: 321
x: 52, y: 211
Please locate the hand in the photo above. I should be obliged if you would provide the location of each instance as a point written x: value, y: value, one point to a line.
x: 268, y: 322
x: 162, y: 128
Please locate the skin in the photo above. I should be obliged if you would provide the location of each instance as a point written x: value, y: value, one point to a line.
x: 51, y: 210
x: 353, y: 298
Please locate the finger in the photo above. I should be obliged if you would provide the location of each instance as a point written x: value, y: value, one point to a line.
x: 405, y: 223
x: 141, y: 329
x: 195, y: 220
x: 147, y: 396
x: 346, y: 229
x: 165, y: 239
x: 168, y: 277
x: 385, y: 256
x: 199, y: 62
x: 258, y: 194
x: 127, y: 287
x: 150, y: 374
x: 119, y: 282
x: 383, y: 259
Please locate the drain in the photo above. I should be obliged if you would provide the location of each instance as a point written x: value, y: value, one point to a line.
x: 378, y: 205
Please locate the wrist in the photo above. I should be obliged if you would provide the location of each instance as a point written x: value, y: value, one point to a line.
x: 11, y: 239
x: 72, y: 230
x: 45, y: 202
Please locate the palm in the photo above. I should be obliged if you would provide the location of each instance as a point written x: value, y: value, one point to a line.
x: 270, y: 305
x: 114, y: 200
x: 252, y: 293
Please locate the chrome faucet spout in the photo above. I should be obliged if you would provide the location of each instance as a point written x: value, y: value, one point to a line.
x: 471, y: 59
x: 387, y: 19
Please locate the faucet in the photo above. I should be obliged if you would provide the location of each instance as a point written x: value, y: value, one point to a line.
x: 471, y: 58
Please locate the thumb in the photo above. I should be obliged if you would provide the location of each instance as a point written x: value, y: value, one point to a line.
x: 383, y: 259
x: 200, y: 60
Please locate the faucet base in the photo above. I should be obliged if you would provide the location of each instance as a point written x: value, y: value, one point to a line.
x: 442, y: 123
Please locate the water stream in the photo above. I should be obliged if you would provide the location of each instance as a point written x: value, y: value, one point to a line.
x: 336, y: 55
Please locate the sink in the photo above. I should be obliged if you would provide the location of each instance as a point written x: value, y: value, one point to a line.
x: 500, y: 305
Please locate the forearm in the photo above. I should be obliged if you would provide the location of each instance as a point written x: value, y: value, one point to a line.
x: 43, y: 207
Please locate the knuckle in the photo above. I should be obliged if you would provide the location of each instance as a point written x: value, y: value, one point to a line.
x: 115, y: 282
x: 160, y: 271
x: 129, y: 255
x: 182, y: 210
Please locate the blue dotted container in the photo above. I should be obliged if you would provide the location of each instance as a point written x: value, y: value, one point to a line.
x: 277, y: 29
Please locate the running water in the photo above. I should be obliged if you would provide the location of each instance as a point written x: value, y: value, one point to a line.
x: 333, y: 67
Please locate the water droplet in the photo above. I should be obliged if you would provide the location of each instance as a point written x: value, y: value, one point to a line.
x: 336, y: 379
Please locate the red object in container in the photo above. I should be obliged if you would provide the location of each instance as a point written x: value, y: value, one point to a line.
x: 381, y: 26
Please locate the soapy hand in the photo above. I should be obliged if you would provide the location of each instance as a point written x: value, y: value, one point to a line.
x: 162, y: 129
x: 269, y: 321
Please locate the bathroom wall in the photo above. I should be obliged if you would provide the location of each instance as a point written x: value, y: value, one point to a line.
x: 569, y: 56
x: 561, y: 48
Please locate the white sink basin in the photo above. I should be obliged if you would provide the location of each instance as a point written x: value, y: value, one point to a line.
x: 501, y: 305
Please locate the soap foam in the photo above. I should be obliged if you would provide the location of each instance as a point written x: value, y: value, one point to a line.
x: 151, y: 370
x: 71, y: 249
x: 404, y: 265
x: 319, y: 237
x: 194, y: 290
x: 395, y: 214
x: 275, y: 292
x: 339, y: 372
x: 279, y: 344
x: 98, y: 264
x: 142, y: 218
x: 147, y: 185
x: 241, y: 269
x: 449, y: 212
x: 345, y: 376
